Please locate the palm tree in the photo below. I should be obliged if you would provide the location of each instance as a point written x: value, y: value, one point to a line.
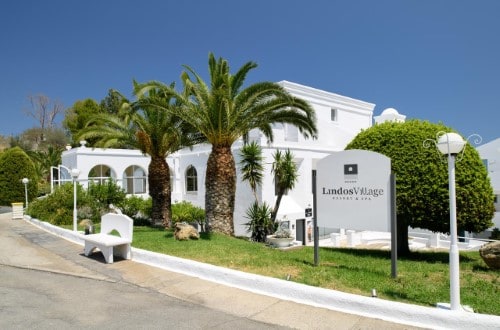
x: 223, y: 111
x: 285, y: 177
x: 145, y: 125
x: 44, y: 160
x: 251, y: 166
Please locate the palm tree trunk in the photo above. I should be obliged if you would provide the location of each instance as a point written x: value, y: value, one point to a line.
x: 274, y: 213
x: 220, y: 189
x: 159, y: 190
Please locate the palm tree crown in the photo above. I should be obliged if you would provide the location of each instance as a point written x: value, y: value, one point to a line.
x: 145, y: 125
x: 285, y: 177
x: 223, y: 112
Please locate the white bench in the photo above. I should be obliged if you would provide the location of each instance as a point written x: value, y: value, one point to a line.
x: 108, y: 244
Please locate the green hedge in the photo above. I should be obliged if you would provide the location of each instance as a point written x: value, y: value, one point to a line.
x: 15, y: 165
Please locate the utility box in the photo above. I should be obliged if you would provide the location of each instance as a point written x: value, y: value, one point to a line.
x: 17, y: 211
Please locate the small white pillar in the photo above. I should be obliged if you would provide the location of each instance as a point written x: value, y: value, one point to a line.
x: 353, y: 238
x: 336, y: 238
x: 433, y: 240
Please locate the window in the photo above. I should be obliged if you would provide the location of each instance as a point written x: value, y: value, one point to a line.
x: 134, y: 180
x: 101, y: 173
x: 191, y: 179
x: 333, y: 114
x: 291, y: 133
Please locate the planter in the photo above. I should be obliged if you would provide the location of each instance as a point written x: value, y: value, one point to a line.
x: 279, y: 241
x: 17, y: 211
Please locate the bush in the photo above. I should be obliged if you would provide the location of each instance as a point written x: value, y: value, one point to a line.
x: 15, y: 165
x: 260, y: 224
x: 107, y: 193
x: 186, y: 212
x: 137, y: 208
x: 57, y: 208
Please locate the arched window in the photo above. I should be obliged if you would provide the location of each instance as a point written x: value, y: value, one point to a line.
x: 191, y: 179
x: 101, y: 173
x: 134, y: 180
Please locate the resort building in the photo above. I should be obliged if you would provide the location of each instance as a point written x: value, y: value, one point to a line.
x: 339, y: 120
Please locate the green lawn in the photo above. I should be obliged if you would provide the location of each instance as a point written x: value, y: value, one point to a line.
x: 422, y: 278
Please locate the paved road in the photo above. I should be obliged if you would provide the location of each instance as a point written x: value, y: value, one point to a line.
x: 46, y: 282
x: 33, y: 299
x: 5, y: 209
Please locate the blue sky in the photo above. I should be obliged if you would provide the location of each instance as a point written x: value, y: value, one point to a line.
x: 434, y: 60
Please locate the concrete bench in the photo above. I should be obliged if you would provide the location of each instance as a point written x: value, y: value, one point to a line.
x: 108, y: 244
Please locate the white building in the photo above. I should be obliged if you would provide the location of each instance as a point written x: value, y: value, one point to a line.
x: 490, y: 153
x: 339, y: 120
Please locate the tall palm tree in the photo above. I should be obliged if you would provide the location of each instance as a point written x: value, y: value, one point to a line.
x: 252, y: 169
x: 147, y: 126
x: 285, y: 177
x: 223, y: 111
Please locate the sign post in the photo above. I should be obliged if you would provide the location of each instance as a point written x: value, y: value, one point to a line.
x: 394, y: 229
x: 315, y: 220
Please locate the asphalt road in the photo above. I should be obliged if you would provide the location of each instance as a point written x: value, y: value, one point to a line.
x: 5, y: 209
x: 33, y: 299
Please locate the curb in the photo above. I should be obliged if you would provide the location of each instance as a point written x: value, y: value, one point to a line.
x: 402, y: 313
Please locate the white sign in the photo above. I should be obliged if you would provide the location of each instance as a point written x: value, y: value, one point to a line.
x: 353, y: 191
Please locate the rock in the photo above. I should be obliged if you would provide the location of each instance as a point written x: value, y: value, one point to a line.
x: 491, y: 254
x: 184, y: 231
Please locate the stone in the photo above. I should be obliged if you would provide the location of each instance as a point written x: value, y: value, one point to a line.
x: 491, y: 254
x: 184, y: 231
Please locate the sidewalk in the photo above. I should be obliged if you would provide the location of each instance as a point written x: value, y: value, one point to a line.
x: 268, y: 300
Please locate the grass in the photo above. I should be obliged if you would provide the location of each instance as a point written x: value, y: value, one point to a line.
x: 423, y: 277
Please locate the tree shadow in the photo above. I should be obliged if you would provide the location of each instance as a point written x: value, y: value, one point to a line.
x: 424, y: 256
x: 433, y: 257
x: 206, y: 236
x: 374, y: 253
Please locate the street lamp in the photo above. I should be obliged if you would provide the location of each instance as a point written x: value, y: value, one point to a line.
x: 450, y: 145
x: 74, y: 174
x: 25, y: 182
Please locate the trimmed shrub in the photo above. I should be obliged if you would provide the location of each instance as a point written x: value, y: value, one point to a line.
x: 15, y: 165
x: 422, y: 179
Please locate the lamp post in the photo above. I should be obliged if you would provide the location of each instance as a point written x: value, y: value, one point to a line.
x: 25, y: 182
x: 451, y: 144
x: 74, y: 174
